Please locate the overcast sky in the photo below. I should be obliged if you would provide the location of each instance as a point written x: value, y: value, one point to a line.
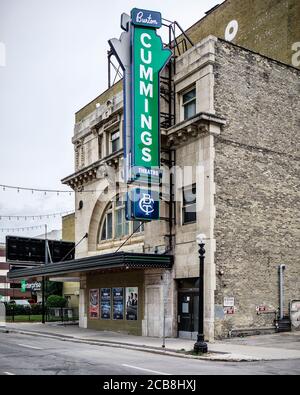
x: 55, y: 63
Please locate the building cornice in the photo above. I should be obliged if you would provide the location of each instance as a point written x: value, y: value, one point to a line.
x: 90, y: 173
x: 202, y: 123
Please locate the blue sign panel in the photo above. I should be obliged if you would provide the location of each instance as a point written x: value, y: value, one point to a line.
x: 145, y: 175
x: 146, y: 18
x: 143, y: 205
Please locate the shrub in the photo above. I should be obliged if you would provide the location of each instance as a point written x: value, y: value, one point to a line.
x: 36, y: 309
x: 17, y: 310
x: 56, y: 301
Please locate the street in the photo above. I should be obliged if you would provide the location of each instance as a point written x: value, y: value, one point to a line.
x: 33, y: 355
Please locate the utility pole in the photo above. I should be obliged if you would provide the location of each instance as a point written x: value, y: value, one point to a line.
x: 43, y: 281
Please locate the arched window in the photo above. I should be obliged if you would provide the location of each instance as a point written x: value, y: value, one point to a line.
x: 106, y: 232
x: 114, y: 224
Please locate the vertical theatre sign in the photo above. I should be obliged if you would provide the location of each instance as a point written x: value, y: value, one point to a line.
x: 142, y: 56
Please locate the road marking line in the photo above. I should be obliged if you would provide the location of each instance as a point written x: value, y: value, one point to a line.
x: 26, y: 346
x: 9, y: 374
x: 147, y: 370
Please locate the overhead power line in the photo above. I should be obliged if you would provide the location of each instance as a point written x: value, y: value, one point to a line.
x: 22, y: 228
x: 45, y: 191
x: 33, y: 217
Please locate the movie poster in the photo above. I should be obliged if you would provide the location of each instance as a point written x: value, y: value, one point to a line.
x: 105, y: 303
x: 94, y: 304
x: 132, y: 303
x: 118, y: 303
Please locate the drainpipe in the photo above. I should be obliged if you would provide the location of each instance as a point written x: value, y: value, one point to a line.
x: 281, y: 290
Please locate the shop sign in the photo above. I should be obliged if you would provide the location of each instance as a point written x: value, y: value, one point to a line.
x: 148, y: 59
x: 23, y: 286
x: 34, y: 287
x: 146, y: 18
x: 295, y: 313
x: 142, y: 56
x: 37, y: 286
x: 105, y: 303
x: 229, y: 310
x: 118, y: 303
x: 143, y: 205
x: 94, y: 304
x: 132, y: 303
x: 228, y: 302
x: 262, y: 309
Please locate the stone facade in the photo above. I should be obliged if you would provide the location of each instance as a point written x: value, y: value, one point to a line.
x: 257, y: 167
x: 68, y: 227
x: 240, y: 150
x: 70, y: 289
x: 269, y: 27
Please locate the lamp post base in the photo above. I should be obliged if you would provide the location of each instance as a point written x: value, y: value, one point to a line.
x: 201, y: 347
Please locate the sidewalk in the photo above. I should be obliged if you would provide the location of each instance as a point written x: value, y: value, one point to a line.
x: 256, y: 348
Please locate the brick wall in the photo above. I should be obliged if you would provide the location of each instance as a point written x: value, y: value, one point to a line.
x: 257, y: 177
x: 270, y: 27
x: 68, y: 228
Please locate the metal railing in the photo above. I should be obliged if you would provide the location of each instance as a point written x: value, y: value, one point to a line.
x: 28, y: 314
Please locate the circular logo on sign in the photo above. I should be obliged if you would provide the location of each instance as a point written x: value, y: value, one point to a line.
x: 147, y: 204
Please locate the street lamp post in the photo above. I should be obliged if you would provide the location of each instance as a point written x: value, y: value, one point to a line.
x: 200, y: 346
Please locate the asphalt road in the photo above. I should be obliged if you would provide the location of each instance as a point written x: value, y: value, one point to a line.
x: 32, y: 355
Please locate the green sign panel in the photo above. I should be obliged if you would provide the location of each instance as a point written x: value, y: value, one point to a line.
x: 149, y: 58
x: 23, y: 286
x: 142, y: 56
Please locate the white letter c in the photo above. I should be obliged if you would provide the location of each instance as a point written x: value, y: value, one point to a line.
x: 143, y: 37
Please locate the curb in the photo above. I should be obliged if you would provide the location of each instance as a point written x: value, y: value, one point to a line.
x: 213, y: 357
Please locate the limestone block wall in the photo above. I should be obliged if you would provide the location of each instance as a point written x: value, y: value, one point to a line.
x: 159, y: 304
x: 85, y: 221
x: 257, y: 225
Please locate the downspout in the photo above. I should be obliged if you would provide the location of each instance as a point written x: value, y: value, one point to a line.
x: 281, y: 291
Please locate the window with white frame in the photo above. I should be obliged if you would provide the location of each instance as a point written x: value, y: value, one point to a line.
x: 189, y: 215
x: 121, y: 225
x: 114, y: 224
x: 115, y: 142
x: 189, y: 103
